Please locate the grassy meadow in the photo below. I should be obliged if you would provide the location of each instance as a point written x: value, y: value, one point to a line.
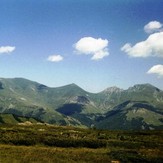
x: 48, y: 143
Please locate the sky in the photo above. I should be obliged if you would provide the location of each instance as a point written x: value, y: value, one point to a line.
x: 93, y: 43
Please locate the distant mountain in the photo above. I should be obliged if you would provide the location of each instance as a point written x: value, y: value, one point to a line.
x: 138, y: 107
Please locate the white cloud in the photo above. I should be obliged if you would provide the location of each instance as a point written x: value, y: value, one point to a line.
x: 6, y: 49
x: 157, y: 69
x: 55, y: 58
x: 98, y: 48
x: 152, y: 46
x: 153, y: 26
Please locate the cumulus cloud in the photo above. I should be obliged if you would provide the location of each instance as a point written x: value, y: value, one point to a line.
x: 98, y: 48
x: 152, y: 46
x: 55, y: 58
x: 6, y: 49
x: 153, y: 26
x: 157, y: 69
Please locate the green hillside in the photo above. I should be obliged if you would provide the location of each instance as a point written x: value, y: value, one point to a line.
x: 139, y: 107
x: 14, y: 119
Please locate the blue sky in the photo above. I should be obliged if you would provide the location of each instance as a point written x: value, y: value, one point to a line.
x: 93, y: 43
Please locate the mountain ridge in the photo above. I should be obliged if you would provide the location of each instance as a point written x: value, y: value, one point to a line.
x: 75, y: 85
x: 72, y: 105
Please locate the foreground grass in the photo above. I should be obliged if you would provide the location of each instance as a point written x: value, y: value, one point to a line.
x: 42, y: 143
x: 26, y: 154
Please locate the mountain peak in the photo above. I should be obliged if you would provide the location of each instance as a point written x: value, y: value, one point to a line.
x: 113, y: 89
x: 142, y: 87
x: 73, y: 85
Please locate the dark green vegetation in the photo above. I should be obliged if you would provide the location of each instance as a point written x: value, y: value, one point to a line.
x: 47, y: 143
x: 138, y: 108
x: 14, y: 119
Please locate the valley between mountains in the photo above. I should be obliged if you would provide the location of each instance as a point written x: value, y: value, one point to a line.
x: 138, y: 108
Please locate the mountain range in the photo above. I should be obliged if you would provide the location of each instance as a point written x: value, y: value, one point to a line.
x: 137, y: 108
